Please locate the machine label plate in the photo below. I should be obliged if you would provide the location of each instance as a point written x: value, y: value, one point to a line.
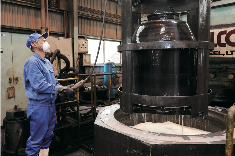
x: 224, y: 40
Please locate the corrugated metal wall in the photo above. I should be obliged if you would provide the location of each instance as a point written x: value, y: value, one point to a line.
x: 56, y: 22
x: 25, y: 17
x: 90, y: 19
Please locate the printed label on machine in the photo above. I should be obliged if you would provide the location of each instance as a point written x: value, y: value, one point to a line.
x: 224, y: 40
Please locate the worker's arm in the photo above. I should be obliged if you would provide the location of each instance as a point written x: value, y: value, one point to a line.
x: 37, y: 79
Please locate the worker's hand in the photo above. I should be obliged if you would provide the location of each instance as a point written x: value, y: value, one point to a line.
x: 69, y: 92
x: 61, y: 88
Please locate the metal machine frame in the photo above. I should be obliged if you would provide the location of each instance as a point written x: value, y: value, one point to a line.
x: 198, y: 18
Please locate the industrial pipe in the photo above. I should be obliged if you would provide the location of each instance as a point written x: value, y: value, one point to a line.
x: 229, y: 131
x: 65, y: 24
x: 47, y: 17
x: 43, y: 25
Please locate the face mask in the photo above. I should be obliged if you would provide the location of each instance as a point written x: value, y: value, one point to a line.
x: 45, y: 46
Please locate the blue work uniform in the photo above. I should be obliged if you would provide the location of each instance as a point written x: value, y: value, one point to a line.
x: 41, y: 90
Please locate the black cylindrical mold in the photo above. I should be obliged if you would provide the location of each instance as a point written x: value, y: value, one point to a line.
x: 168, y: 28
x: 164, y: 72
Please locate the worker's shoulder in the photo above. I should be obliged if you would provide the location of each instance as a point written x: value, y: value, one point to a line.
x: 48, y: 63
x: 31, y: 60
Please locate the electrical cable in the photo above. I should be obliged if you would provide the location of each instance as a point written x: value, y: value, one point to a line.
x: 78, y: 84
x: 99, y: 42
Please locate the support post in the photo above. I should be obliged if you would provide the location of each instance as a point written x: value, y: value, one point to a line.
x: 130, y: 20
x: 43, y: 23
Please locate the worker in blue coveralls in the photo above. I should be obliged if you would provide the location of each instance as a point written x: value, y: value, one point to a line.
x: 41, y: 90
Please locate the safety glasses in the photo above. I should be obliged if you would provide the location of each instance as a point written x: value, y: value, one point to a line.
x: 41, y: 39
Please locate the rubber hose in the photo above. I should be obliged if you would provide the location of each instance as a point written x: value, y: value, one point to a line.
x: 54, y: 55
x: 75, y: 71
x: 59, y: 55
x: 48, y: 55
x: 65, y: 75
x: 66, y: 61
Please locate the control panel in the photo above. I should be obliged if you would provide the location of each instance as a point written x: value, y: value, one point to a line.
x: 82, y: 45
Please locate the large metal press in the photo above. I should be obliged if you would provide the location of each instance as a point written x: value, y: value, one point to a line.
x: 165, y: 70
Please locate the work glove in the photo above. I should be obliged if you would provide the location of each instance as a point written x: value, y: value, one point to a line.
x: 69, y: 92
x: 66, y: 90
x: 61, y: 88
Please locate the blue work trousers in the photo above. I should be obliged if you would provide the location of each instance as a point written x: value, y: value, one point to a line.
x: 42, y: 123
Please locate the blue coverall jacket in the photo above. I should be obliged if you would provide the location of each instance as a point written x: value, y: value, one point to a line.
x: 41, y: 90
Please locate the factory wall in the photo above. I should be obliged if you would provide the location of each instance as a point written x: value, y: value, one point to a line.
x: 222, y: 58
x: 222, y: 13
x: 13, y: 58
x: 28, y: 17
x: 223, y: 28
x: 90, y: 19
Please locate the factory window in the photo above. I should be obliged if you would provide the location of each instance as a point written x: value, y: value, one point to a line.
x: 108, y: 51
x: 93, y: 48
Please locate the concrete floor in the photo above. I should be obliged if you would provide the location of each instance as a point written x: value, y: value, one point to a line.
x: 79, y: 153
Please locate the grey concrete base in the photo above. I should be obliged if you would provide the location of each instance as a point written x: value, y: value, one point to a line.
x: 116, y: 139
